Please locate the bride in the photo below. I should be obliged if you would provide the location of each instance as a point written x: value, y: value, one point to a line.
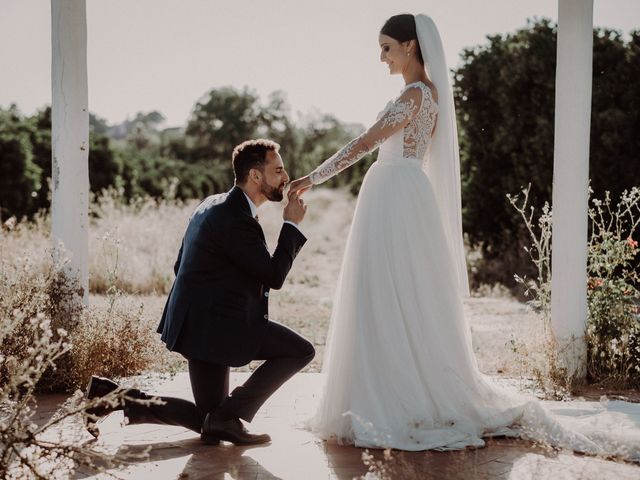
x: 400, y: 369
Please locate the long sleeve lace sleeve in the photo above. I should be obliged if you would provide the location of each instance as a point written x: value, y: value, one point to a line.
x: 401, y: 112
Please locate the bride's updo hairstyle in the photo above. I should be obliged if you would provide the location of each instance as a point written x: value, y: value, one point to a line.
x: 403, y: 29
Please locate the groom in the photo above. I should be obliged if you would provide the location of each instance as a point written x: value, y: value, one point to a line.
x: 216, y: 315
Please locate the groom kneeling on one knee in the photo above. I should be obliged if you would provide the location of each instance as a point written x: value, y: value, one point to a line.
x: 216, y: 315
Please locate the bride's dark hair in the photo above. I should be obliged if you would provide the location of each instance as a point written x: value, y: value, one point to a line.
x: 403, y: 29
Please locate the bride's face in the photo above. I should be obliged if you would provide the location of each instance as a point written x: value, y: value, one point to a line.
x: 393, y: 53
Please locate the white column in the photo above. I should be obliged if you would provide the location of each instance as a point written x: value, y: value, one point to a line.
x: 70, y: 137
x: 570, y: 183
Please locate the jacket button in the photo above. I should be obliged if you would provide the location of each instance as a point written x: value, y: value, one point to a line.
x: 266, y: 317
x: 266, y: 294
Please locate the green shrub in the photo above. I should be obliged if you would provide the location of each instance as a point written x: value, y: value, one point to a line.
x: 505, y: 101
x: 613, y: 331
x: 19, y: 175
x: 613, y: 299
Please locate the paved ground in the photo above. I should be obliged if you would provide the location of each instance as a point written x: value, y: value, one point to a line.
x: 295, y: 454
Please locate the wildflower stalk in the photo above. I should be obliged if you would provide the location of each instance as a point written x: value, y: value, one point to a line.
x: 613, y: 263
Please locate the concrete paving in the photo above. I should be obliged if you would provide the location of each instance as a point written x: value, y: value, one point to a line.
x: 296, y: 454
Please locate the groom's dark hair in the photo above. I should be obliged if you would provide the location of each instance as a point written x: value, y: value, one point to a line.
x: 403, y: 29
x: 251, y: 154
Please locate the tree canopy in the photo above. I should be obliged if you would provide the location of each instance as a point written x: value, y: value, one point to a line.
x: 505, y: 100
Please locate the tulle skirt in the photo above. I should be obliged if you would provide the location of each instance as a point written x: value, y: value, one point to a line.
x: 399, y: 367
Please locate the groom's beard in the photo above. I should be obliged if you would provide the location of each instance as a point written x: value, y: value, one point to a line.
x: 275, y: 194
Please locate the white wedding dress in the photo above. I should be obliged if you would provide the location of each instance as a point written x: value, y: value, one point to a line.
x: 399, y: 367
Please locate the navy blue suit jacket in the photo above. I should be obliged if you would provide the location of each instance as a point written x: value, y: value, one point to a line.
x: 218, y: 305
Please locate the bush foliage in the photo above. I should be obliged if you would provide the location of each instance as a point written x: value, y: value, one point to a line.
x: 613, y: 299
x: 142, y: 160
x: 505, y: 99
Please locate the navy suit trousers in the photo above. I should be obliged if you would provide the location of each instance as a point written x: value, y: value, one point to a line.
x: 285, y: 353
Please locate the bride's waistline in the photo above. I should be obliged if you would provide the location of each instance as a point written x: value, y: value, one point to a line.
x: 400, y: 162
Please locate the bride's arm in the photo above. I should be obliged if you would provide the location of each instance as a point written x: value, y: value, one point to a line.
x: 396, y: 118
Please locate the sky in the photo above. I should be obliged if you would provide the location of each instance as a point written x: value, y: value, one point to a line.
x: 164, y: 55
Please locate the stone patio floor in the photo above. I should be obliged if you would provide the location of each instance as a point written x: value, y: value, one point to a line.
x: 295, y: 454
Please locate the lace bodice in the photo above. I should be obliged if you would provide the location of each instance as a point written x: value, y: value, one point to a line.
x: 403, y: 130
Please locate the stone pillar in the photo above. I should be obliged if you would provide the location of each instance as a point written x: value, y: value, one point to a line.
x: 570, y: 183
x: 70, y: 138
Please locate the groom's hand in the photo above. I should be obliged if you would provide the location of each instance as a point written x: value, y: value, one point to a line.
x: 295, y: 209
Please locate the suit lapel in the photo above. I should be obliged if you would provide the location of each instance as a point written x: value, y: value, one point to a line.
x: 238, y: 200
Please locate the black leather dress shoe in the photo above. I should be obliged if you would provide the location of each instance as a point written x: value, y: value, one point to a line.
x: 98, y: 387
x: 216, y: 428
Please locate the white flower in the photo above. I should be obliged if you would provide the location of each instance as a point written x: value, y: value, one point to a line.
x: 11, y: 223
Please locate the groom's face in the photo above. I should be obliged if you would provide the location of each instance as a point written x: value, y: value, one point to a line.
x: 274, y: 178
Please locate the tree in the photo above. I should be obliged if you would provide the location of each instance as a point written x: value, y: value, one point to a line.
x: 19, y: 174
x: 615, y: 117
x: 98, y: 124
x: 39, y: 127
x: 504, y: 93
x: 323, y: 135
x: 224, y: 118
x: 276, y: 125
x: 144, y: 160
x: 104, y: 165
x: 144, y: 174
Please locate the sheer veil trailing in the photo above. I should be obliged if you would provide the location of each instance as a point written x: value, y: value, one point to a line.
x: 400, y: 369
x: 443, y: 165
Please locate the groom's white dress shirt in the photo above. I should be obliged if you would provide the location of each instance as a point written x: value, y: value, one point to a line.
x: 254, y: 212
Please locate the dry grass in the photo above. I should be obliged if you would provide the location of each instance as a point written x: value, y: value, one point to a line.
x: 114, y: 339
x: 134, y: 248
x: 114, y: 342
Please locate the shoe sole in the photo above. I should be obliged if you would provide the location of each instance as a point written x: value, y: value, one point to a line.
x: 90, y: 425
x: 88, y: 389
x: 209, y: 439
x: 213, y: 439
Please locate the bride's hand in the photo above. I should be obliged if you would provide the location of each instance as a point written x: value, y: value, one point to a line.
x: 303, y: 184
